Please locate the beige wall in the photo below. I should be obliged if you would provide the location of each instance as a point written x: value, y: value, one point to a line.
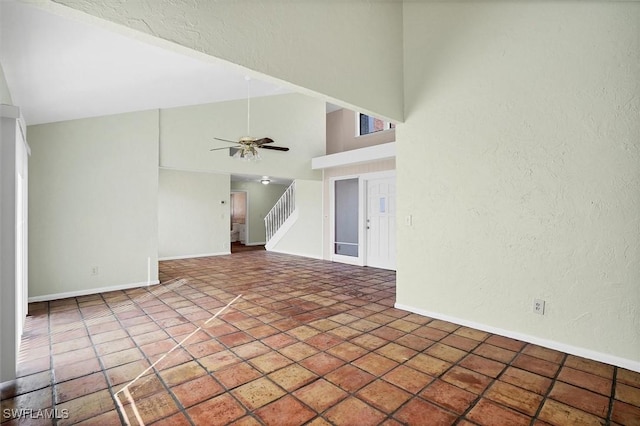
x: 93, y: 200
x: 96, y: 186
x: 293, y: 120
x: 305, y: 236
x: 520, y: 163
x: 341, y: 133
x: 193, y: 221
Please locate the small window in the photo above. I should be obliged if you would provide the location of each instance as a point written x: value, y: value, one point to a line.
x: 368, y: 124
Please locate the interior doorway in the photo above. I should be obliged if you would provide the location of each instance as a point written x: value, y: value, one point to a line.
x: 239, y: 213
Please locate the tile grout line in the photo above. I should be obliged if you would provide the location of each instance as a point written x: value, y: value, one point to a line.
x: 179, y: 405
x: 456, y: 363
x: 404, y: 333
x: 181, y: 408
x: 346, y: 340
x: 415, y: 395
x: 352, y: 394
x: 319, y: 415
x: 100, y: 361
x: 519, y: 352
x: 80, y: 326
x: 554, y: 380
x: 72, y: 326
x: 434, y: 378
x: 114, y: 311
x: 252, y: 412
x: 613, y: 395
x: 157, y: 375
x: 52, y: 374
x: 299, y: 324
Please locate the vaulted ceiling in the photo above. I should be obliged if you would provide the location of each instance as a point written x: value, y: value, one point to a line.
x: 60, y: 69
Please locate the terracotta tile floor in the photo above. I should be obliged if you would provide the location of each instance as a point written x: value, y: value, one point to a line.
x: 308, y: 342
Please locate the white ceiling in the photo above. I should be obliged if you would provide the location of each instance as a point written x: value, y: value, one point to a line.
x: 254, y: 178
x: 59, y: 69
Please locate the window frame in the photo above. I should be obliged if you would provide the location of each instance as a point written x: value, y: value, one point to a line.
x: 387, y: 125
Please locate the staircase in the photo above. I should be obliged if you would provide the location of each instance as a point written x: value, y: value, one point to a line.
x: 281, y: 216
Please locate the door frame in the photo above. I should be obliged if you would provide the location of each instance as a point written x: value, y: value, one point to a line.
x: 351, y: 260
x: 14, y: 159
x: 246, y: 214
x: 363, y: 179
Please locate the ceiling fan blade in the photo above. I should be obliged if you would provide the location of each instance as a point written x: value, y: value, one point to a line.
x: 218, y: 149
x: 226, y: 140
x: 263, y: 141
x: 275, y: 148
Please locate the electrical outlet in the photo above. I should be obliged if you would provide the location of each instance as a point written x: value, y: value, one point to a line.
x: 94, y: 270
x: 538, y: 306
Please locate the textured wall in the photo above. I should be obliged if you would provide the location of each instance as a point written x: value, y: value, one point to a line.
x: 520, y: 163
x: 339, y: 49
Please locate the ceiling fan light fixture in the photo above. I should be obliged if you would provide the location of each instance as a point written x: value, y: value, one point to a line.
x: 247, y: 147
x: 246, y: 153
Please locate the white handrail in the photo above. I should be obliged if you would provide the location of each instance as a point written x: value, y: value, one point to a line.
x: 280, y: 211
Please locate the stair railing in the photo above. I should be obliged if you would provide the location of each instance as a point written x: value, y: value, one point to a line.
x: 280, y: 211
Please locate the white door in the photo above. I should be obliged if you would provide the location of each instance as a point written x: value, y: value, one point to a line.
x: 381, y: 223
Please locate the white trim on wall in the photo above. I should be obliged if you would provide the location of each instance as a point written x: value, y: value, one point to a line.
x: 355, y: 156
x: 562, y: 347
x: 87, y: 292
x: 296, y: 254
x: 193, y: 256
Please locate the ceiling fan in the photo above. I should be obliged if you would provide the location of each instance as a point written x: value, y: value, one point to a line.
x: 247, y: 147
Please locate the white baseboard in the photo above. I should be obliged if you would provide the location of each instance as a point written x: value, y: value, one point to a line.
x: 256, y: 244
x: 629, y: 364
x: 88, y: 291
x: 318, y: 257
x: 192, y: 256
